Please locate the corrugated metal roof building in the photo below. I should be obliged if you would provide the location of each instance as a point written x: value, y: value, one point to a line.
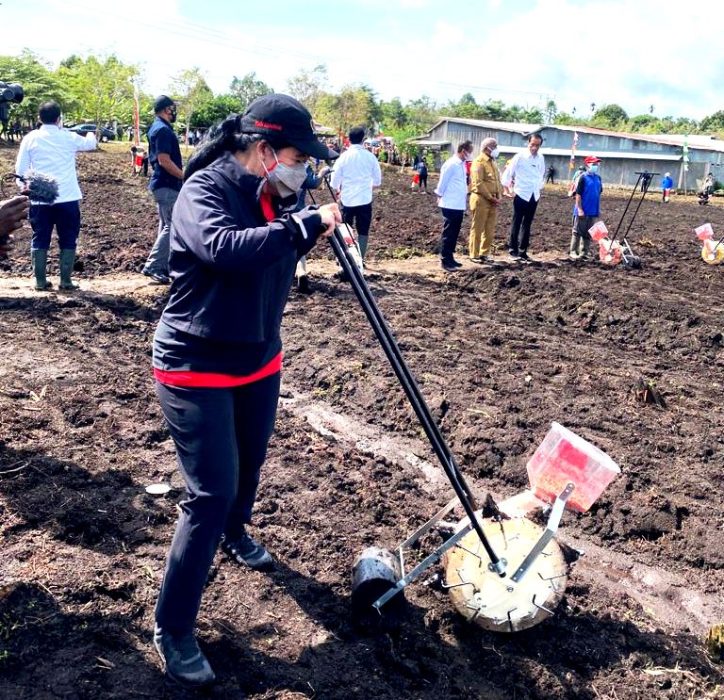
x: 623, y: 154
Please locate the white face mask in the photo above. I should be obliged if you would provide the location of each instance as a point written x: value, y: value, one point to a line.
x: 494, y: 153
x: 286, y: 179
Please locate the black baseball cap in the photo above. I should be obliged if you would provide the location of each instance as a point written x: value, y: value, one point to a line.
x: 287, y: 120
x: 162, y: 101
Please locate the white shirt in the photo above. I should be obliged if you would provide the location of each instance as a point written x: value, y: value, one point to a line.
x: 50, y: 150
x: 452, y: 188
x: 354, y: 175
x: 527, y: 173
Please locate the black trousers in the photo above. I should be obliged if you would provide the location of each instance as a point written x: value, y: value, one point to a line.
x: 452, y: 220
x: 360, y: 218
x: 221, y: 438
x: 523, y: 213
x: 64, y: 217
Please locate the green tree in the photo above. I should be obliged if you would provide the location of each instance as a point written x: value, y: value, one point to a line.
x: 307, y: 86
x: 354, y: 105
x: 644, y: 123
x: 551, y: 112
x: 714, y: 123
x: 101, y: 88
x: 465, y: 108
x: 248, y: 88
x: 684, y: 125
x: 214, y: 110
x: 402, y: 137
x: 609, y: 116
x: 190, y: 92
x: 39, y: 83
x: 394, y: 115
x: 422, y: 113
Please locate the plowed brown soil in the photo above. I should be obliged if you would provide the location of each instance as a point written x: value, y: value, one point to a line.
x: 499, y: 352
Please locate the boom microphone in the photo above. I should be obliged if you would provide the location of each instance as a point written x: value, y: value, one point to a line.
x: 39, y: 187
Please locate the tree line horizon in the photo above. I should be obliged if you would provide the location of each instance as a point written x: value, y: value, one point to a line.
x: 100, y: 89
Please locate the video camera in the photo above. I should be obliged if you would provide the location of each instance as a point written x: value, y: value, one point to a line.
x: 10, y: 93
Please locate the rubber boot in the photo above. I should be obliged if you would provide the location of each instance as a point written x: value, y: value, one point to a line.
x: 39, y: 258
x: 67, y: 258
x: 362, y: 241
x: 573, y: 253
x: 586, y: 246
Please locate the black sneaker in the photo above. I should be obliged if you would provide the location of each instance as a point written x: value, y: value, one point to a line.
x: 449, y: 266
x: 303, y: 285
x: 456, y: 263
x: 523, y: 255
x: 183, y: 661
x: 514, y: 253
x: 157, y: 277
x: 244, y: 550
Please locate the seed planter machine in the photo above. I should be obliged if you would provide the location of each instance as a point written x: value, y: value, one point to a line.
x: 712, y: 251
x: 612, y: 249
x: 504, y: 572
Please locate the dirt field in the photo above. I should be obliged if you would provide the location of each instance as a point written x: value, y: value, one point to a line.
x: 499, y: 352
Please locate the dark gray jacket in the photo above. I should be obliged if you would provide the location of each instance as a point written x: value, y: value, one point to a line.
x: 231, y: 270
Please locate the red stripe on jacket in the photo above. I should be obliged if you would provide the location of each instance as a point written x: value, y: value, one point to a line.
x: 216, y: 380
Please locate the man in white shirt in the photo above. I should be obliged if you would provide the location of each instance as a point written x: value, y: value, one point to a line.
x: 354, y: 175
x: 526, y: 174
x: 452, y: 192
x: 50, y: 150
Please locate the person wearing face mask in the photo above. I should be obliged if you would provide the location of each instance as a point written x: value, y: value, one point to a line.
x: 586, y: 210
x: 452, y: 192
x: 485, y: 194
x: 165, y: 159
x: 217, y: 350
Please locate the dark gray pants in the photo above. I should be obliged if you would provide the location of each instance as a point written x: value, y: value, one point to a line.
x: 221, y: 437
x: 581, y: 239
x: 158, y: 257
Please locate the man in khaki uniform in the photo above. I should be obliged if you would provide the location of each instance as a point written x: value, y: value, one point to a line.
x: 485, y: 194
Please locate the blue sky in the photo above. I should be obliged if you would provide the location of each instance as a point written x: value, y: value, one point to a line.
x: 576, y: 52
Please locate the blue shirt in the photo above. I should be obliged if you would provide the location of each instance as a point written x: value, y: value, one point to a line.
x: 590, y: 188
x: 161, y: 139
x: 667, y: 183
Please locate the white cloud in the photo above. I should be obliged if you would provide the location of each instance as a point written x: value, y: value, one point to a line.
x: 574, y: 51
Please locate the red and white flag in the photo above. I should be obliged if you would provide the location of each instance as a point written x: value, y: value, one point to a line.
x: 574, y: 145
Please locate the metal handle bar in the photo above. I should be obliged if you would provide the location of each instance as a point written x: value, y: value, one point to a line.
x: 397, y: 362
x: 641, y: 176
x: 394, y: 356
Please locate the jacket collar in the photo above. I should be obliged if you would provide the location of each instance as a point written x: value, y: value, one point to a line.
x: 233, y: 171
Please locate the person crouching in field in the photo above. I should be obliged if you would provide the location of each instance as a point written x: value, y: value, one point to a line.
x: 586, y: 210
x: 217, y: 350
